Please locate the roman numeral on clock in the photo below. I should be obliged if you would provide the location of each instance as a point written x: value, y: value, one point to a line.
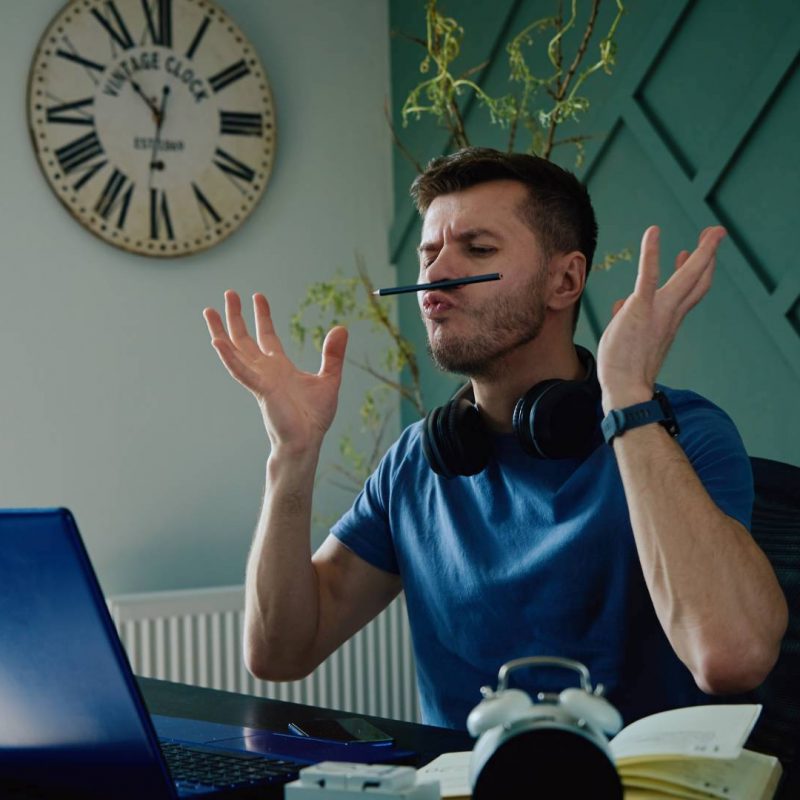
x: 234, y: 169
x: 198, y: 37
x: 237, y: 123
x: 115, y: 27
x: 89, y: 171
x: 71, y: 113
x: 228, y: 75
x: 159, y: 25
x: 75, y: 57
x: 116, y: 196
x: 159, y: 213
x: 79, y: 152
x: 206, y: 209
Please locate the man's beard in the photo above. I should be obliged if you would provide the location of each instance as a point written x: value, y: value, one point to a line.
x: 500, y: 328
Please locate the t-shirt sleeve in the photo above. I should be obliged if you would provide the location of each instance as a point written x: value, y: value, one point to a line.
x: 713, y: 446
x: 365, y: 528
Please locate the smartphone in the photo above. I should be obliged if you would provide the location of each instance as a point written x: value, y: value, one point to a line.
x: 341, y: 729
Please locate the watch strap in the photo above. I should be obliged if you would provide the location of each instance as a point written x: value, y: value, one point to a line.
x: 658, y: 410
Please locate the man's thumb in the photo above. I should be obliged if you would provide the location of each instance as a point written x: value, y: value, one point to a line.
x: 333, y: 352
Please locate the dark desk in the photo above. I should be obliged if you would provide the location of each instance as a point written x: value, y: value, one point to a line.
x: 192, y: 702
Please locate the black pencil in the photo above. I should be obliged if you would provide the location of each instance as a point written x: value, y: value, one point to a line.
x: 424, y: 287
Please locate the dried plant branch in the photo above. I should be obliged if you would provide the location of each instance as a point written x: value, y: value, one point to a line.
x: 395, y: 34
x: 581, y: 52
x: 396, y: 139
x: 565, y: 82
x: 403, y: 391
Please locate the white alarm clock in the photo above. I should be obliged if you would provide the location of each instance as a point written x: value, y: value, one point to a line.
x: 553, y: 746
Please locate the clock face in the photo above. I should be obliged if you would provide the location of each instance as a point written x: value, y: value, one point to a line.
x: 152, y: 121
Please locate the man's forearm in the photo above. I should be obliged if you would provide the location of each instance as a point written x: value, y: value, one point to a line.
x: 713, y: 589
x: 281, y: 592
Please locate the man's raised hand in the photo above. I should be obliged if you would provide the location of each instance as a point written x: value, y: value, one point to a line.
x: 636, y: 341
x: 298, y: 407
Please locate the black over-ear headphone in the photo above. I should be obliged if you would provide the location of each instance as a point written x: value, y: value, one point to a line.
x: 556, y: 418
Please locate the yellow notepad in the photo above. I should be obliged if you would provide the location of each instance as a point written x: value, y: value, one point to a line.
x: 695, y: 753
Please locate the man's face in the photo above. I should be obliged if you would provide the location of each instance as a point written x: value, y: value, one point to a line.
x: 478, y: 230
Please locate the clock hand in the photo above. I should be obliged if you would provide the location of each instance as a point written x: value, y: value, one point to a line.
x: 150, y: 104
x: 160, y: 115
x: 163, y: 110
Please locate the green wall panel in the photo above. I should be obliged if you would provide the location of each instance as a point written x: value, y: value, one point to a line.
x: 705, y: 68
x: 762, y: 184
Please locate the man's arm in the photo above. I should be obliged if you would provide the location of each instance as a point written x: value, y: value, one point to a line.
x: 297, y: 610
x: 713, y: 589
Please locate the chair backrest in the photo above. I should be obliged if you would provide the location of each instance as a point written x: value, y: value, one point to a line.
x: 776, y: 529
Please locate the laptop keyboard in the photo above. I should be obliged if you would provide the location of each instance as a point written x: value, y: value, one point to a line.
x: 195, y: 767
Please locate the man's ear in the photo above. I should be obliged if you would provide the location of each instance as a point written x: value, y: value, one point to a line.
x: 567, y: 279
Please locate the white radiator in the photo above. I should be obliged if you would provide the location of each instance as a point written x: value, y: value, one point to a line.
x: 195, y: 637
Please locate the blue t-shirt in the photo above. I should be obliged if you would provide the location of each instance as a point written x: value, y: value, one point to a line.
x: 534, y: 557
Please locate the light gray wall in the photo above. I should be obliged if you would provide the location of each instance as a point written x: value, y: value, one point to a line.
x: 113, y: 402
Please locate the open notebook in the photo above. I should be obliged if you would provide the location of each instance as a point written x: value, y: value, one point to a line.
x: 694, y: 753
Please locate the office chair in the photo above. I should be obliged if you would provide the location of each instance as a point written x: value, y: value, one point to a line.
x: 776, y: 529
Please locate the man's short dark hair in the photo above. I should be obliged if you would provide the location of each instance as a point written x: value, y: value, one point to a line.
x: 558, y: 210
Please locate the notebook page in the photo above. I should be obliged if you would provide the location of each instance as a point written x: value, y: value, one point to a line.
x: 714, y: 731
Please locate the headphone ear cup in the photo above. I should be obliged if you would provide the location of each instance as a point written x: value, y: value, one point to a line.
x: 556, y: 419
x: 523, y: 419
x: 455, y: 440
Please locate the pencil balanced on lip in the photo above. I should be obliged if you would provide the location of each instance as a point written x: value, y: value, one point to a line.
x: 424, y: 287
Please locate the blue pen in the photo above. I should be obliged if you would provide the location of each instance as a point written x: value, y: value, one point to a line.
x: 423, y: 287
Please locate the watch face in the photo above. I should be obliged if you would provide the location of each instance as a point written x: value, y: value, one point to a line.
x: 152, y: 121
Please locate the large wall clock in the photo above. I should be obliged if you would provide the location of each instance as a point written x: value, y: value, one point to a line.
x: 152, y: 120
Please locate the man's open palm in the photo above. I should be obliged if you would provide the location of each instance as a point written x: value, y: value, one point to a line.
x: 298, y: 407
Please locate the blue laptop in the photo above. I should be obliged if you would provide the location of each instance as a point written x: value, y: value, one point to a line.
x: 72, y: 721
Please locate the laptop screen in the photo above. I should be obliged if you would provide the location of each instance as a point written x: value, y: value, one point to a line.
x: 72, y: 723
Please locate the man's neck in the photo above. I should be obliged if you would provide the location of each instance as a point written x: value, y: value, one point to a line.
x: 539, y: 360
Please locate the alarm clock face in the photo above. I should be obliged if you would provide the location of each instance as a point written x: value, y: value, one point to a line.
x: 152, y: 121
x: 542, y: 759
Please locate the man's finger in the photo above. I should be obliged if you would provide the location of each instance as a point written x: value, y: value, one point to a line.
x: 699, y: 289
x: 237, y: 329
x: 214, y: 324
x: 681, y: 259
x: 698, y: 268
x: 647, y: 277
x: 704, y: 233
x: 236, y: 366
x: 333, y: 349
x: 267, y: 339
x: 616, y: 307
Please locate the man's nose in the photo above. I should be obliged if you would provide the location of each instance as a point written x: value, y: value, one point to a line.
x: 446, y: 265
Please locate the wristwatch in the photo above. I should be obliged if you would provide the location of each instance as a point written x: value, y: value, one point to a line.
x: 659, y: 410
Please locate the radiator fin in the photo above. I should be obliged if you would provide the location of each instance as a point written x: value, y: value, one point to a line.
x: 195, y: 637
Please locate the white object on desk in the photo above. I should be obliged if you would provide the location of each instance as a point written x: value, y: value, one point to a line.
x: 338, y: 780
x: 452, y: 772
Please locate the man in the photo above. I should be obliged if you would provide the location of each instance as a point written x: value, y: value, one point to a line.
x: 633, y: 558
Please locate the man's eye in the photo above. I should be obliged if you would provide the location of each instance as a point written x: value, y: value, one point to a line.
x: 480, y: 251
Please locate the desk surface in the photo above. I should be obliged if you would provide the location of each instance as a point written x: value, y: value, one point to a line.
x: 212, y: 705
